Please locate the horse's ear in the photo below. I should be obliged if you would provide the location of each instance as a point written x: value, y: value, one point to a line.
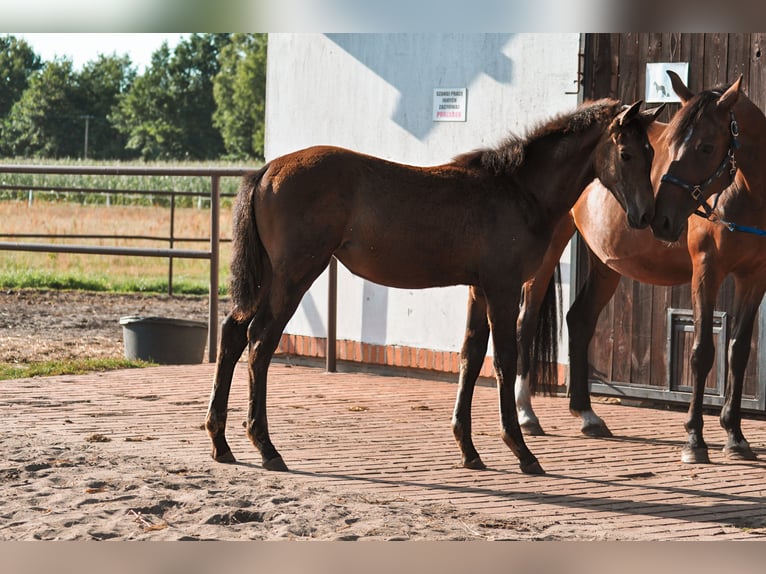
x: 653, y: 114
x: 730, y: 96
x: 679, y: 87
x: 628, y: 114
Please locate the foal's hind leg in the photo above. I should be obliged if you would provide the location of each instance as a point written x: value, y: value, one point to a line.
x: 264, y: 333
x: 533, y: 294
x: 747, y: 298
x: 233, y: 342
x: 471, y: 359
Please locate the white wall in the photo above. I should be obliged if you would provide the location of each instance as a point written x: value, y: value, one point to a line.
x: 374, y: 93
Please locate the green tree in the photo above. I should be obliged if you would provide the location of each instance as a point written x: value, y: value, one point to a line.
x: 240, y: 95
x: 168, y: 111
x: 45, y: 121
x: 100, y: 85
x: 17, y: 63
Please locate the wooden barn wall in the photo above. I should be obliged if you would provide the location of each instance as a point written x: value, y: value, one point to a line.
x: 631, y: 347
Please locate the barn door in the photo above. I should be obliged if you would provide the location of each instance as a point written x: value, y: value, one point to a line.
x: 644, y: 336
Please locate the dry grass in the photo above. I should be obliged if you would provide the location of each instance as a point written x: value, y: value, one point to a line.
x: 18, y: 217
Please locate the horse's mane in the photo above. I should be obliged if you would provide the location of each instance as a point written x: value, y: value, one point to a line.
x: 690, y: 114
x: 510, y: 154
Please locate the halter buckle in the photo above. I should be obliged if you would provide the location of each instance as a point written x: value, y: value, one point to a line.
x: 696, y: 193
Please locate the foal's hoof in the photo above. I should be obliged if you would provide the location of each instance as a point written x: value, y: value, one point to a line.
x: 532, y: 429
x: 694, y: 455
x: 739, y: 452
x: 276, y: 464
x: 225, y: 457
x: 532, y: 467
x: 475, y: 464
x: 597, y: 431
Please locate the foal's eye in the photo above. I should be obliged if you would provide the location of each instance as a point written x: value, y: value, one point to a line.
x: 624, y: 156
x: 706, y: 148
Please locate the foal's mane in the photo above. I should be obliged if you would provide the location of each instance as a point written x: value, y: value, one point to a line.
x: 690, y: 114
x: 509, y: 155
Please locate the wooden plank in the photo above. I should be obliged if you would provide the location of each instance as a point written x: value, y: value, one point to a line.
x: 756, y: 86
x: 693, y: 51
x: 738, y: 58
x: 714, y: 72
x: 622, y: 325
x: 661, y: 302
x: 599, y: 71
x: 641, y: 334
x: 629, y: 61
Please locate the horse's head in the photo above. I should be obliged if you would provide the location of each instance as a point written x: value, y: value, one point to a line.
x: 623, y: 162
x: 702, y: 138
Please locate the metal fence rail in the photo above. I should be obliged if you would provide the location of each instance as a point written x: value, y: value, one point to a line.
x: 212, y: 254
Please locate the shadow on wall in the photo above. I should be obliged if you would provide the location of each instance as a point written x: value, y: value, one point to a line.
x: 416, y: 64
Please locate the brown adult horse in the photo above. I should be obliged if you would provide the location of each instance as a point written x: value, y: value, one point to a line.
x: 483, y: 220
x: 711, y: 158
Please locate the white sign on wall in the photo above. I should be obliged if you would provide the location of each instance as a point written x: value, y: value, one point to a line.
x: 449, y: 104
x: 658, y: 87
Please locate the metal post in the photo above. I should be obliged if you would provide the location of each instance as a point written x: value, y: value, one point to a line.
x: 87, y: 125
x: 171, y: 241
x: 215, y: 232
x: 332, y: 315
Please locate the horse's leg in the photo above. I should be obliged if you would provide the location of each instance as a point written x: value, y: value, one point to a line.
x: 264, y: 333
x: 747, y: 298
x: 503, y: 311
x: 233, y: 342
x: 471, y: 360
x: 705, y: 284
x: 533, y: 294
x: 582, y: 319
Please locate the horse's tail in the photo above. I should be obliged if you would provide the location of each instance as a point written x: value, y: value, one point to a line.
x: 249, y: 259
x: 543, y: 354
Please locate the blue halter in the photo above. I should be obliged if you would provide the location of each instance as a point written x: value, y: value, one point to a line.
x: 697, y: 190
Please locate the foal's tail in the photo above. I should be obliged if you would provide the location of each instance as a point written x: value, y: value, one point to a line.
x: 543, y: 354
x: 249, y: 260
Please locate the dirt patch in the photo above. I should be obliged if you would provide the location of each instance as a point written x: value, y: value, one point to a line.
x: 44, y: 325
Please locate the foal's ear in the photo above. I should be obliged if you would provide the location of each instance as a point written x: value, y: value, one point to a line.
x: 653, y: 114
x: 628, y: 114
x: 730, y: 96
x: 679, y: 87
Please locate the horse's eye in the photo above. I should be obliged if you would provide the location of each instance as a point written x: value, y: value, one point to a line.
x: 706, y: 148
x: 624, y: 156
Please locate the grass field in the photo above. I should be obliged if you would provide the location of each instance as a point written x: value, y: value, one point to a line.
x: 106, y: 272
x: 87, y: 213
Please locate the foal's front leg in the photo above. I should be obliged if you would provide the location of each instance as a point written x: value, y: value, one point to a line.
x: 503, y: 311
x: 471, y: 359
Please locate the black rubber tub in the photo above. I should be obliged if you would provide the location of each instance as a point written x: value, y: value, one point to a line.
x: 164, y: 340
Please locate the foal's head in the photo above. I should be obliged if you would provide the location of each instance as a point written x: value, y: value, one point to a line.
x: 623, y: 160
x: 702, y: 138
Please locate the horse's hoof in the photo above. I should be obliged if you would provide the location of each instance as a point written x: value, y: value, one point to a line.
x: 475, y: 464
x: 695, y: 455
x: 597, y: 431
x: 739, y: 452
x: 532, y: 429
x: 226, y: 457
x: 532, y: 467
x: 276, y: 464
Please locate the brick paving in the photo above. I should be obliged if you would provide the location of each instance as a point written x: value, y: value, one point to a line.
x: 389, y: 436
